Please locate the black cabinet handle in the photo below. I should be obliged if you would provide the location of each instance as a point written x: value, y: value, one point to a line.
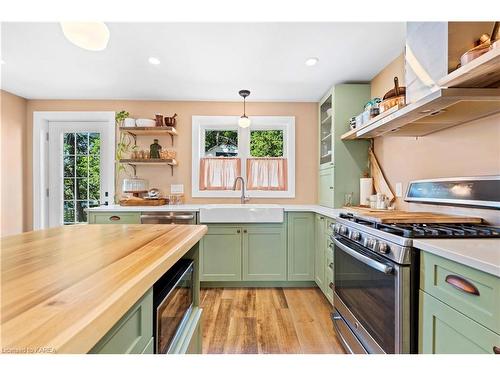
x: 238, y: 231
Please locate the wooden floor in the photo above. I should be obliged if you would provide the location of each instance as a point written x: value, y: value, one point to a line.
x: 267, y: 320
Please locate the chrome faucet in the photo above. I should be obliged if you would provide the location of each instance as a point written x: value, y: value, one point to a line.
x: 243, y: 198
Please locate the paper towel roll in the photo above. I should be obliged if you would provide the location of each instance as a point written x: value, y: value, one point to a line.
x: 365, y: 190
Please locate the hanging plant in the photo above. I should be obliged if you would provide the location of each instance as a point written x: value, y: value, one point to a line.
x: 125, y: 145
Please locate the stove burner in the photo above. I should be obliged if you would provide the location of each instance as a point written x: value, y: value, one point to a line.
x: 429, y: 230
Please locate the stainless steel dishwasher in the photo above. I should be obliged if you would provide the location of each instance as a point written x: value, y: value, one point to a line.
x: 168, y: 217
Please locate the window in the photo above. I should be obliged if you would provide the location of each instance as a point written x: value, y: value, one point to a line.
x: 264, y: 154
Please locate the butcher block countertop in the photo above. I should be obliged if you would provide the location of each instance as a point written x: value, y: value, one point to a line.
x: 62, y: 289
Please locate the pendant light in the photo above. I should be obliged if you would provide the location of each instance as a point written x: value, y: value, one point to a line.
x: 244, y: 121
x: 92, y: 36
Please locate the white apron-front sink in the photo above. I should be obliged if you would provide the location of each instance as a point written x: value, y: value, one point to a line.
x: 241, y: 213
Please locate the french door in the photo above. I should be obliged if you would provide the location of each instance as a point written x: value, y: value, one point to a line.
x: 81, y: 170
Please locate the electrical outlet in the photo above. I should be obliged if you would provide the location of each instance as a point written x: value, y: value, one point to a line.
x: 399, y: 189
x: 176, y: 189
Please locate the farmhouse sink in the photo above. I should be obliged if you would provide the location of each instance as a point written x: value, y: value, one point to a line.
x: 241, y: 213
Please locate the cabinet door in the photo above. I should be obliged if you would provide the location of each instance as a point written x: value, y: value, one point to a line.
x: 115, y: 218
x: 220, y: 254
x: 319, y: 252
x: 326, y: 187
x: 301, y: 246
x: 443, y: 330
x: 328, y: 289
x: 264, y: 252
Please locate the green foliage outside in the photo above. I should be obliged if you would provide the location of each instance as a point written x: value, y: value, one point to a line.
x: 218, y: 137
x: 266, y: 143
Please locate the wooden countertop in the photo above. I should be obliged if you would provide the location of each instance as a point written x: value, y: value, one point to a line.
x: 62, y: 289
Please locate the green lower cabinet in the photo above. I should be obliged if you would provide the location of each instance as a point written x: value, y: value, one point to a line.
x: 114, y: 218
x: 444, y: 330
x: 150, y: 347
x: 319, y: 252
x: 220, y: 254
x: 326, y: 187
x: 301, y: 246
x: 264, y: 252
x: 133, y: 332
x: 328, y: 288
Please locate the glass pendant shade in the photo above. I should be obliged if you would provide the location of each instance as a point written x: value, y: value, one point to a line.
x: 92, y: 36
x: 244, y: 122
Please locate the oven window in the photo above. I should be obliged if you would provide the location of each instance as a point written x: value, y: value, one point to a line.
x: 171, y: 312
x: 369, y: 294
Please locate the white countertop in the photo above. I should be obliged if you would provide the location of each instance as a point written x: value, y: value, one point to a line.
x: 330, y: 212
x: 480, y: 253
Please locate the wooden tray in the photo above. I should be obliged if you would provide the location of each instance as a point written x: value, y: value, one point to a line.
x: 406, y: 217
x: 144, y: 202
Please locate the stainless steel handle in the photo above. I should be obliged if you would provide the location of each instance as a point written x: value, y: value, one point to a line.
x: 363, y: 258
x: 175, y: 217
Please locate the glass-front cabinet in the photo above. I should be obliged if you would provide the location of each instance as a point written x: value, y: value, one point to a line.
x: 326, y: 131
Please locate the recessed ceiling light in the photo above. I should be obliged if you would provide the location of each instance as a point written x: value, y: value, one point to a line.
x: 311, y: 61
x: 92, y: 36
x: 154, y: 60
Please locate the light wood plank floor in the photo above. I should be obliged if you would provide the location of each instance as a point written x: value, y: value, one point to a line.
x: 267, y: 320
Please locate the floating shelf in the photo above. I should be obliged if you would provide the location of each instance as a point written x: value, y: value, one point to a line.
x: 351, y: 134
x: 134, y: 162
x: 483, y: 71
x: 134, y: 131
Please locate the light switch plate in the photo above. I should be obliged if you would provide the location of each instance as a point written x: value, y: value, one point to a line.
x: 399, y: 189
x: 176, y: 189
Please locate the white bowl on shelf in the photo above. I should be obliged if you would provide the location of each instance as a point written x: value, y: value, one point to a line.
x: 145, y: 122
x: 129, y: 122
x: 329, y: 112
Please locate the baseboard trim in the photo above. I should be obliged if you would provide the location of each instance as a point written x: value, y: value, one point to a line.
x: 257, y: 284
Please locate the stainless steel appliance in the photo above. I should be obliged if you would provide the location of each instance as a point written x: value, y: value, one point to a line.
x: 376, y: 267
x: 172, y: 302
x: 168, y: 217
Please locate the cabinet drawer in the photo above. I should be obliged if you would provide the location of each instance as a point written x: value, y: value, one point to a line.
x: 189, y: 340
x: 115, y: 218
x: 473, y: 293
x: 444, y: 330
x: 133, y: 331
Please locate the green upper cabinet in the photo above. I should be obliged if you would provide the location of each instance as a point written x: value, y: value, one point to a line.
x: 220, y: 254
x: 114, y: 217
x: 319, y: 252
x: 264, y: 252
x: 326, y: 187
x: 350, y: 158
x: 301, y: 246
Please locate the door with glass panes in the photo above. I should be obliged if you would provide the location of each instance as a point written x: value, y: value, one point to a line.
x: 81, y: 171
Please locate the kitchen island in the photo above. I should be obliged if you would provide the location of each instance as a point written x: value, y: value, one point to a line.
x: 64, y: 288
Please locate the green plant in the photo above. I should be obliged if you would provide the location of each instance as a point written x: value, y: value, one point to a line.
x: 120, y: 116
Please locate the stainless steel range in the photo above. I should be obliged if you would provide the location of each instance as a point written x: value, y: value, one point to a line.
x: 376, y: 275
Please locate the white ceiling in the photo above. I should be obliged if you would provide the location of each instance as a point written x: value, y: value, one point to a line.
x: 199, y: 61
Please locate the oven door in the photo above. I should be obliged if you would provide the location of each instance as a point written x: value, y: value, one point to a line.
x: 370, y: 298
x: 173, y: 299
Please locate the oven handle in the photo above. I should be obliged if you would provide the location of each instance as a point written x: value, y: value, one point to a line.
x: 363, y: 258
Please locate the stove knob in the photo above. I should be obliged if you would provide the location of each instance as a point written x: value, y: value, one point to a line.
x: 344, y: 231
x: 383, y: 248
x: 336, y: 228
x: 356, y: 236
x: 369, y: 242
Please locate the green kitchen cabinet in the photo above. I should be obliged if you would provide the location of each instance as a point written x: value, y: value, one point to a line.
x: 319, y: 251
x: 326, y: 187
x: 132, y: 334
x: 114, y: 217
x: 189, y: 341
x: 301, y: 246
x: 328, y: 286
x: 348, y: 158
x: 220, y: 254
x: 444, y: 330
x: 264, y: 252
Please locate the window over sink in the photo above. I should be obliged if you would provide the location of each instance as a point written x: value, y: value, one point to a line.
x: 263, y: 154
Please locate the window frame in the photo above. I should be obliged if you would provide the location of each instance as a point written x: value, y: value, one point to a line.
x: 202, y: 123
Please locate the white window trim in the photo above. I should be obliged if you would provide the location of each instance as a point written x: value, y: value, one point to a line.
x: 40, y: 170
x: 201, y: 123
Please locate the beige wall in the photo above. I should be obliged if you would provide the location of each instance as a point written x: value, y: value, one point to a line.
x: 305, y: 133
x: 471, y: 149
x: 13, y: 154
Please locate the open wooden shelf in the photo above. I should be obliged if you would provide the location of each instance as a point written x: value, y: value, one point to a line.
x: 351, y: 134
x: 483, y: 71
x: 150, y: 130
x: 134, y: 162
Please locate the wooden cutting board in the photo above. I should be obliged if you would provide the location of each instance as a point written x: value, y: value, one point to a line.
x: 143, y: 202
x: 406, y: 217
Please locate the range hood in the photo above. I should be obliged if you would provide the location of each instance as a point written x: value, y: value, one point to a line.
x: 441, y: 109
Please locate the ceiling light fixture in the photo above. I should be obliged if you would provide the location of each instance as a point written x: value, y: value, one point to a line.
x: 154, y: 61
x: 311, y: 61
x: 244, y: 121
x: 92, y: 36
